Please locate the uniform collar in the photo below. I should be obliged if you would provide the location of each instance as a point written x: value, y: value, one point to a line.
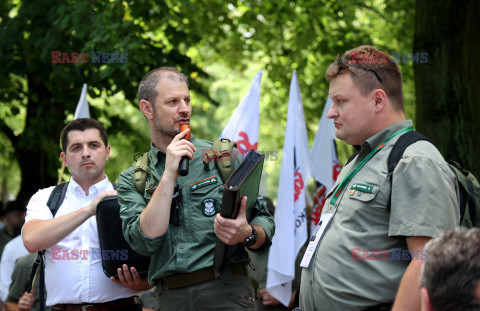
x: 377, y: 139
x: 95, y: 189
x: 156, y: 155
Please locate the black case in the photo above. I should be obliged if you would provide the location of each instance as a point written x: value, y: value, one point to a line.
x: 115, y: 250
x: 244, y: 181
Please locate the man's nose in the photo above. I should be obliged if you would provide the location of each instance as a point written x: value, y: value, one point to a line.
x: 184, y: 107
x: 332, y: 112
x: 85, y: 152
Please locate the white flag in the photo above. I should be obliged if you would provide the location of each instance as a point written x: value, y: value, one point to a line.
x: 325, y: 167
x: 290, y: 213
x: 82, y: 110
x: 243, y: 124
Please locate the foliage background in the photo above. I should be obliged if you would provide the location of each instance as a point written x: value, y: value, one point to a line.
x: 219, y: 44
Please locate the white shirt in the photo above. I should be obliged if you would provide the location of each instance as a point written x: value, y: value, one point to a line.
x: 13, y: 250
x: 72, y: 274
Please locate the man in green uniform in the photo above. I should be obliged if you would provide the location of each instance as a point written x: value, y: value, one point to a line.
x: 367, y: 257
x: 175, y: 221
x: 14, y: 217
x: 17, y: 294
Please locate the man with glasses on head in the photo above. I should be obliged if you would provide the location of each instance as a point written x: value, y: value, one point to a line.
x: 369, y: 250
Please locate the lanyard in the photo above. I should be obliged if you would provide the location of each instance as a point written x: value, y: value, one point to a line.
x: 350, y: 175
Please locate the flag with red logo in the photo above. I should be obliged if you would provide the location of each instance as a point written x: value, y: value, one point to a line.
x: 325, y: 167
x: 243, y: 124
x: 290, y: 213
x: 82, y: 110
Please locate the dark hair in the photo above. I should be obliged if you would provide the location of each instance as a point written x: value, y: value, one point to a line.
x: 148, y: 87
x: 452, y: 270
x: 370, y: 69
x: 14, y: 206
x: 82, y: 124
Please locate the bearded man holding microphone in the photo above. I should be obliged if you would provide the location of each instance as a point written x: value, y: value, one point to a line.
x: 173, y: 221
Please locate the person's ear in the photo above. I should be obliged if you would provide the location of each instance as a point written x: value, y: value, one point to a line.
x: 64, y: 158
x: 426, y: 304
x: 380, y: 99
x: 147, y: 109
x: 107, y: 149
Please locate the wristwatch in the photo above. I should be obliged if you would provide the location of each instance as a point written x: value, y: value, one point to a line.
x: 249, y: 241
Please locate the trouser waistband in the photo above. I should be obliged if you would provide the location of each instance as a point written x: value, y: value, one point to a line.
x: 203, y: 275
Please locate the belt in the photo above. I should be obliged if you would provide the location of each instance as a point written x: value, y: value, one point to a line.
x: 105, y: 306
x: 199, y: 276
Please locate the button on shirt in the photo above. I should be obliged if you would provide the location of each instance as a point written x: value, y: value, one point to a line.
x: 74, y: 272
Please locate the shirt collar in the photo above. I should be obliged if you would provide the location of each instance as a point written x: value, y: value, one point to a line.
x: 156, y: 155
x: 95, y: 189
x: 379, y: 137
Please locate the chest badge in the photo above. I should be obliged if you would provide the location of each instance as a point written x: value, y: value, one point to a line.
x: 203, y: 183
x: 208, y: 207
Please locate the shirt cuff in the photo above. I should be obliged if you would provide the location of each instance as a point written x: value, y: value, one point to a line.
x: 267, y: 227
x: 432, y: 232
x: 152, y: 245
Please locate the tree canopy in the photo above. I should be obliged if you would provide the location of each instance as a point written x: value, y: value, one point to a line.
x: 219, y: 44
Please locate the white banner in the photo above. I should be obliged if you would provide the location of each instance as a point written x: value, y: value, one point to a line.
x: 325, y: 167
x: 243, y: 124
x: 290, y: 213
x: 82, y: 110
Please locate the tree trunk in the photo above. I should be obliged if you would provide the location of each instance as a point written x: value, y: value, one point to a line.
x: 447, y: 86
x: 37, y: 149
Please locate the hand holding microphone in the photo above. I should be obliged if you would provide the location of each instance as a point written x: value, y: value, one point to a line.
x: 184, y: 162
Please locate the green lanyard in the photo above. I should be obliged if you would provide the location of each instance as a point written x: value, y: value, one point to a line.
x: 350, y: 175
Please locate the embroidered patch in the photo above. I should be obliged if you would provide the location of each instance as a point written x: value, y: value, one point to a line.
x: 203, y: 183
x: 362, y: 187
x: 208, y: 207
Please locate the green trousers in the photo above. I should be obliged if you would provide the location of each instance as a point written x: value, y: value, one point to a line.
x: 227, y: 292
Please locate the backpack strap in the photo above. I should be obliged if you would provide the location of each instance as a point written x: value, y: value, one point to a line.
x: 141, y: 171
x: 396, y: 154
x: 54, y: 201
x: 467, y: 184
x: 56, y: 198
x: 223, y: 148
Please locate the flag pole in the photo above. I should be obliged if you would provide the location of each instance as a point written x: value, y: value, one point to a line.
x: 60, y: 175
x: 82, y: 111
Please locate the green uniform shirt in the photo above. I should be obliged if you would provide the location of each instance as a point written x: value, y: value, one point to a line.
x: 20, y: 279
x: 363, y: 254
x: 188, y: 246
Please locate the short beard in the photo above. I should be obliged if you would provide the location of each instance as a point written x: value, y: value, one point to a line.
x: 165, y: 131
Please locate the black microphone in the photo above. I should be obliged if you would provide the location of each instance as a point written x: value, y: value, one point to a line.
x: 183, y: 166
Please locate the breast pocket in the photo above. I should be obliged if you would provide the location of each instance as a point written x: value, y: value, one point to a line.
x: 358, y: 207
x: 204, y: 204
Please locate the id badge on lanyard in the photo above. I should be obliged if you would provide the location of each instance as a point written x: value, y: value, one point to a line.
x: 316, y: 237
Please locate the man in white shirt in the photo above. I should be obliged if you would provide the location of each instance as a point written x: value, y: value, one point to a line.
x: 74, y: 277
x: 13, y: 250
